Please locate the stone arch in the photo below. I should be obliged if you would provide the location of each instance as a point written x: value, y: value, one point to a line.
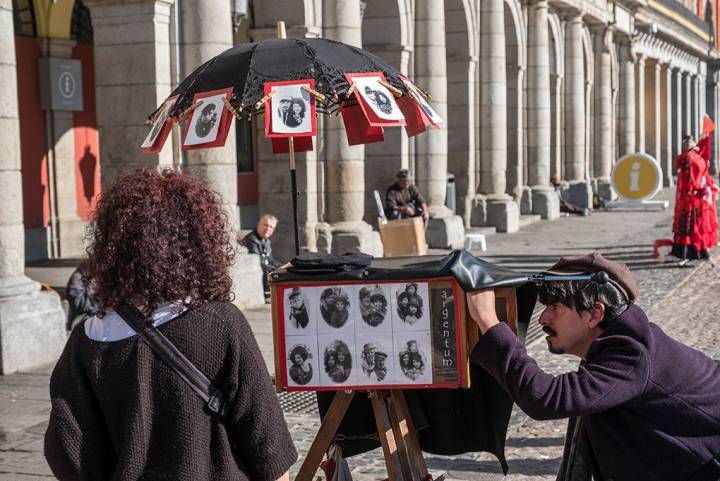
x: 515, y: 48
x: 461, y: 58
x: 386, y: 32
x: 557, y: 63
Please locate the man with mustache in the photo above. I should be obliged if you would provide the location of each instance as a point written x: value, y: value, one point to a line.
x: 642, y: 405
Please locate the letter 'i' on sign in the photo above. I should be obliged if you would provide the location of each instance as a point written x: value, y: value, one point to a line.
x: 637, y: 177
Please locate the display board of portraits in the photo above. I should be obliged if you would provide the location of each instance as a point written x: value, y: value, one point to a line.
x: 370, y: 335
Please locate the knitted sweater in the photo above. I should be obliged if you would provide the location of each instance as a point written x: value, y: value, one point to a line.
x: 120, y: 413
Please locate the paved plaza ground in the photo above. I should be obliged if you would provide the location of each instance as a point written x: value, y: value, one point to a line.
x: 682, y: 300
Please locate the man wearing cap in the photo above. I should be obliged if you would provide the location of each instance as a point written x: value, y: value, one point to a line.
x: 642, y: 405
x: 403, y: 199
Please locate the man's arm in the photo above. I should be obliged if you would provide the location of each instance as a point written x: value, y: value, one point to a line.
x: 391, y: 204
x: 252, y: 243
x: 617, y: 374
x: 419, y: 200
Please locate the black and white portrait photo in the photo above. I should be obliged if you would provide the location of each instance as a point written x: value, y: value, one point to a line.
x: 206, y: 121
x: 373, y: 304
x: 413, y: 354
x: 299, y: 312
x: 290, y: 110
x: 300, y: 365
x: 374, y: 354
x: 159, y: 123
x: 424, y: 105
x: 335, y: 308
x: 378, y: 97
x: 337, y: 361
x: 410, y: 306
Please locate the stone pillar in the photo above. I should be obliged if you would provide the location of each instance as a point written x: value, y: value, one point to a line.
x: 652, y: 111
x: 129, y: 37
x: 544, y: 199
x: 66, y: 228
x: 677, y: 131
x: 32, y: 322
x: 687, y: 104
x: 492, y: 205
x: 445, y: 230
x: 626, y: 117
x: 715, y: 115
x: 640, y: 111
x: 695, y: 106
x: 602, y: 143
x: 699, y: 106
x: 345, y: 164
x: 579, y: 191
x: 666, y: 117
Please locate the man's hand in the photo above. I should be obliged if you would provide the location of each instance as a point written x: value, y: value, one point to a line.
x: 425, y: 215
x: 482, y: 308
x: 408, y: 211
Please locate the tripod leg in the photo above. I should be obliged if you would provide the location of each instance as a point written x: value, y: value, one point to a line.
x: 409, y: 435
x: 387, y: 437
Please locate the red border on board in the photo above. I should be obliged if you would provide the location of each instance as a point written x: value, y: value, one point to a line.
x: 269, y: 105
x: 460, y: 351
x: 409, y: 85
x: 370, y: 114
x: 223, y: 128
x: 163, y: 135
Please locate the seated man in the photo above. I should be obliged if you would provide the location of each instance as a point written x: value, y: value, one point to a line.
x: 258, y: 242
x: 645, y: 406
x: 404, y: 200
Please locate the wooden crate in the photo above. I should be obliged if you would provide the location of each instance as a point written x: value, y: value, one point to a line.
x: 404, y: 237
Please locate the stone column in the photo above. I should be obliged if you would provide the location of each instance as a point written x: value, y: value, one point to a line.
x: 677, y: 132
x: 129, y: 37
x: 580, y: 191
x: 687, y: 104
x: 544, y: 200
x: 602, y: 144
x: 32, y: 322
x: 695, y: 105
x: 699, y: 103
x: 640, y: 91
x: 626, y: 117
x: 66, y: 228
x: 652, y: 111
x: 493, y: 206
x: 444, y: 230
x: 716, y: 113
x: 666, y: 119
x: 345, y: 164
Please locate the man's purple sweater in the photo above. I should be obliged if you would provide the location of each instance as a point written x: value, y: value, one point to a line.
x: 650, y: 405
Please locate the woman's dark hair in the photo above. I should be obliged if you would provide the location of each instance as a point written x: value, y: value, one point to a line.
x: 329, y: 355
x: 414, y: 356
x: 582, y: 296
x: 301, y: 350
x: 159, y: 237
x: 301, y: 103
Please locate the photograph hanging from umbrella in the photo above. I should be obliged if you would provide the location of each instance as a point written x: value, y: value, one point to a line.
x: 290, y: 81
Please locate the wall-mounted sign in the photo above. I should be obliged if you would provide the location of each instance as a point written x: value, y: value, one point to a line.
x: 61, y: 86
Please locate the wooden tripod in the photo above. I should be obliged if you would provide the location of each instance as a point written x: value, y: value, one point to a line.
x: 403, y: 457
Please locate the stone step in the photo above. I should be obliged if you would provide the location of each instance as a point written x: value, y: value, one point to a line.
x: 526, y: 220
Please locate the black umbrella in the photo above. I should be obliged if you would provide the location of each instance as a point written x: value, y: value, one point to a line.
x: 246, y: 68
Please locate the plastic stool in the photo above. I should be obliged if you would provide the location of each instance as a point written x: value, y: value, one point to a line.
x: 660, y: 243
x: 471, y: 239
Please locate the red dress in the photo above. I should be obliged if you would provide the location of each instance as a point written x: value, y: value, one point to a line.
x: 695, y: 226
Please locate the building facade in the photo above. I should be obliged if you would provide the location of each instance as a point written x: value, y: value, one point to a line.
x: 528, y: 90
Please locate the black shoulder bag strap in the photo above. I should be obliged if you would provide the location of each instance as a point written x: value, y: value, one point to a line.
x: 166, y: 350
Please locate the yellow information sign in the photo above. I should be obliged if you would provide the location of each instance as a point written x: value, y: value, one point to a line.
x: 637, y: 177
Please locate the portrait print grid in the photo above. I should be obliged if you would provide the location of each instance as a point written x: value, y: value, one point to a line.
x: 365, y: 335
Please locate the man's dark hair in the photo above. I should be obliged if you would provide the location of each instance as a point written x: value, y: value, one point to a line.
x: 582, y: 296
x: 209, y: 108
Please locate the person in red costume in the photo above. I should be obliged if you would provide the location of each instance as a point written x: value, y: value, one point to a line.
x: 695, y: 226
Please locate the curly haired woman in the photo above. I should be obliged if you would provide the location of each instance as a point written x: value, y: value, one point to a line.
x: 160, y: 242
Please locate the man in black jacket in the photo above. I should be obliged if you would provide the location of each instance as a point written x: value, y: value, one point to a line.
x: 258, y: 242
x: 80, y: 298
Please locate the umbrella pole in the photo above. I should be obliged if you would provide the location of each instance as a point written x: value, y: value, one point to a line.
x: 295, y: 194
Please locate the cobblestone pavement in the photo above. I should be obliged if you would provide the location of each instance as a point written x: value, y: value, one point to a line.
x: 683, y: 304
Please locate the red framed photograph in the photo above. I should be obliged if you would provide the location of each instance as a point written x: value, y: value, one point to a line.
x: 210, y: 121
x: 160, y: 130
x: 430, y: 115
x: 376, y: 100
x: 290, y: 112
x: 370, y: 335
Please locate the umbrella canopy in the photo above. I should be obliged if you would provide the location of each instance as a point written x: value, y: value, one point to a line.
x: 247, y: 67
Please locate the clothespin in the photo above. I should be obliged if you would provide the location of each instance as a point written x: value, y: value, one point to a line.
x: 395, y: 91
x: 350, y: 90
x: 314, y: 93
x: 262, y: 101
x: 188, y: 111
x: 232, y: 109
x: 152, y: 118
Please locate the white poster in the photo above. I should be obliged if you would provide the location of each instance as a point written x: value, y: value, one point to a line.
x: 159, y: 123
x: 338, y: 359
x: 410, y: 307
x: 300, y: 312
x: 413, y: 357
x: 205, y: 120
x: 301, y: 356
x: 375, y: 355
x: 378, y: 97
x: 291, y: 110
x: 372, y: 308
x: 335, y: 305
